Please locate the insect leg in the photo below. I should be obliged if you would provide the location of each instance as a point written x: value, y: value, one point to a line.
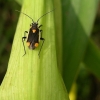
x: 25, y: 33
x: 42, y: 42
x: 40, y: 26
x: 23, y: 39
x: 31, y: 25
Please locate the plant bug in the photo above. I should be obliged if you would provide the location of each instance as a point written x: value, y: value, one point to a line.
x: 34, y: 34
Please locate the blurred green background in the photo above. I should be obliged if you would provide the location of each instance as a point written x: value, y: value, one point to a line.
x: 8, y: 23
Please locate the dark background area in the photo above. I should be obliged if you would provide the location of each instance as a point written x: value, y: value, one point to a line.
x: 88, y: 84
x: 8, y: 23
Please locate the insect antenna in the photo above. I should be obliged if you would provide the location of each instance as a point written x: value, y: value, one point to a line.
x: 44, y: 15
x: 25, y: 14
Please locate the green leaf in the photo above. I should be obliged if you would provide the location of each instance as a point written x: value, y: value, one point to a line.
x: 31, y: 77
x: 58, y: 31
x: 78, y: 18
x: 92, y: 59
x: 19, y: 1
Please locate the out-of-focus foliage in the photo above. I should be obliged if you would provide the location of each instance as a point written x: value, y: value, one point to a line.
x: 88, y: 85
x: 8, y: 21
